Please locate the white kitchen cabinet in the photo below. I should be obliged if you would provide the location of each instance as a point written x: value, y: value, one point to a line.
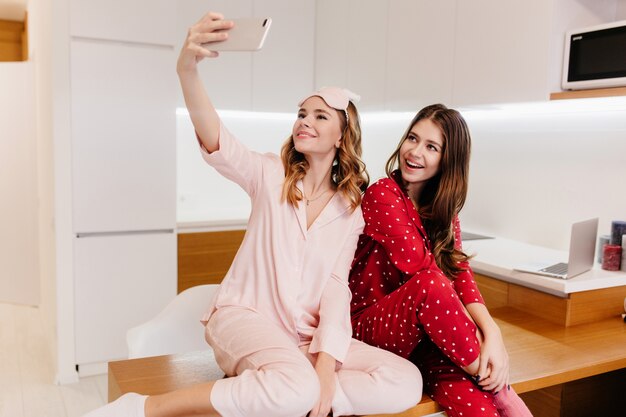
x: 123, y: 137
x: 144, y: 21
x: 502, y: 51
x: 401, y: 55
x: 282, y: 72
x: 420, y: 54
x: 397, y: 54
x: 123, y: 191
x: 350, y: 48
x: 120, y: 281
x: 123, y: 181
x: 513, y: 51
x: 331, y: 43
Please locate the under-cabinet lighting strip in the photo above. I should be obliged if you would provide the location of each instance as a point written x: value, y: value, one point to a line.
x: 591, y: 105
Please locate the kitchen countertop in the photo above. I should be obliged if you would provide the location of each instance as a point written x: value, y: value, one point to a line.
x: 497, y: 257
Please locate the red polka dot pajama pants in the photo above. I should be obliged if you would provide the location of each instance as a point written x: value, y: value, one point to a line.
x: 426, y: 311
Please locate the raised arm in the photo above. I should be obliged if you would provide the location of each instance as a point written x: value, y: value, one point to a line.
x: 203, y: 115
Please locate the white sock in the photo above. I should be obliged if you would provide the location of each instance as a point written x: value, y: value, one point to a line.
x: 128, y: 405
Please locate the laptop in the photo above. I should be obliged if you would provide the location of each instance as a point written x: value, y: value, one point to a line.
x: 581, y: 253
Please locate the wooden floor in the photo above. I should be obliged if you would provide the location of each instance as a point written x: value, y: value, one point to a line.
x: 27, y: 386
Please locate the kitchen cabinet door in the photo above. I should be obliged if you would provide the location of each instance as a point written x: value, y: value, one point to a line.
x: 350, y: 48
x: 398, y: 55
x: 119, y: 282
x: 282, y: 72
x: 419, y: 54
x: 331, y: 43
x: 502, y: 51
x: 123, y: 137
x: 144, y: 21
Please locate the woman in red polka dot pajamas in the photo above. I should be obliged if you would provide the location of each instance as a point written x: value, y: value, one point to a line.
x: 413, y: 290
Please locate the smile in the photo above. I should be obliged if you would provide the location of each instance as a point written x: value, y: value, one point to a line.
x: 413, y: 165
x: 303, y: 134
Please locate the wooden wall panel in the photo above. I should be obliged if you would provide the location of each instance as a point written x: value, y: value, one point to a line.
x: 24, y: 39
x: 590, y: 306
x: 494, y: 292
x: 546, y: 306
x: 499, y: 293
x: 11, y: 35
x: 579, y: 308
x: 204, y: 258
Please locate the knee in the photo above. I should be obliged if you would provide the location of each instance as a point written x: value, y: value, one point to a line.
x: 405, y: 384
x: 409, y: 386
x: 299, y: 393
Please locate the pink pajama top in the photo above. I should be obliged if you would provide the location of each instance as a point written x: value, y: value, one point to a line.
x: 296, y: 278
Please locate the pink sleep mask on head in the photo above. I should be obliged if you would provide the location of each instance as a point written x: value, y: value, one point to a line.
x: 336, y: 97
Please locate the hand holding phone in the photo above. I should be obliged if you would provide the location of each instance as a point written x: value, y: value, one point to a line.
x: 247, y: 34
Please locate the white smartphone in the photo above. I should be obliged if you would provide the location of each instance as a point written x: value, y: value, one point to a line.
x: 248, y: 34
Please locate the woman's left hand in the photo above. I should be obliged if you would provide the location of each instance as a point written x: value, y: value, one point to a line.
x: 325, y: 368
x: 493, y: 366
x: 494, y: 362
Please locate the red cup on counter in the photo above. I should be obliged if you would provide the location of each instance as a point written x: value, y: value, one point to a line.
x: 611, y: 257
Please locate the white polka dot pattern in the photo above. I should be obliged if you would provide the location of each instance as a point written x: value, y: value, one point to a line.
x: 399, y: 293
x: 402, y: 302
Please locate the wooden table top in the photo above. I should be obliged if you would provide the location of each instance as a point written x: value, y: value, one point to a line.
x: 542, y: 354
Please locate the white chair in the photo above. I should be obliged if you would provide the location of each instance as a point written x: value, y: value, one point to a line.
x: 176, y: 329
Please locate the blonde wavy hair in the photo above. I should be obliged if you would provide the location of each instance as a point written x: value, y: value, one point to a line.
x: 348, y: 173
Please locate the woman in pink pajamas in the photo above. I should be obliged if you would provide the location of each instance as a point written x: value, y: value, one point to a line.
x: 413, y: 289
x: 280, y: 323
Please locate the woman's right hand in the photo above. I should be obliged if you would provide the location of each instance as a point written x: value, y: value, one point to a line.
x: 204, y: 31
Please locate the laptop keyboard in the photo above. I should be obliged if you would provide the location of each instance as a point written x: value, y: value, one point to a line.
x: 560, y: 269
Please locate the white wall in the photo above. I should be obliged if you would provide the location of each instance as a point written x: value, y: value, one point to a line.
x: 40, y: 16
x: 202, y: 193
x: 533, y: 174
x: 19, y: 246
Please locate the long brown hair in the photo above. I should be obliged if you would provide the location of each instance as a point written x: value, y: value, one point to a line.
x: 348, y: 172
x: 443, y: 195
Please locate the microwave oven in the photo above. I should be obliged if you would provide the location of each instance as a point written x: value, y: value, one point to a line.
x: 595, y: 57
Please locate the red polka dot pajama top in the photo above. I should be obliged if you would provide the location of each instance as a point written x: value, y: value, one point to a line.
x: 400, y: 295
